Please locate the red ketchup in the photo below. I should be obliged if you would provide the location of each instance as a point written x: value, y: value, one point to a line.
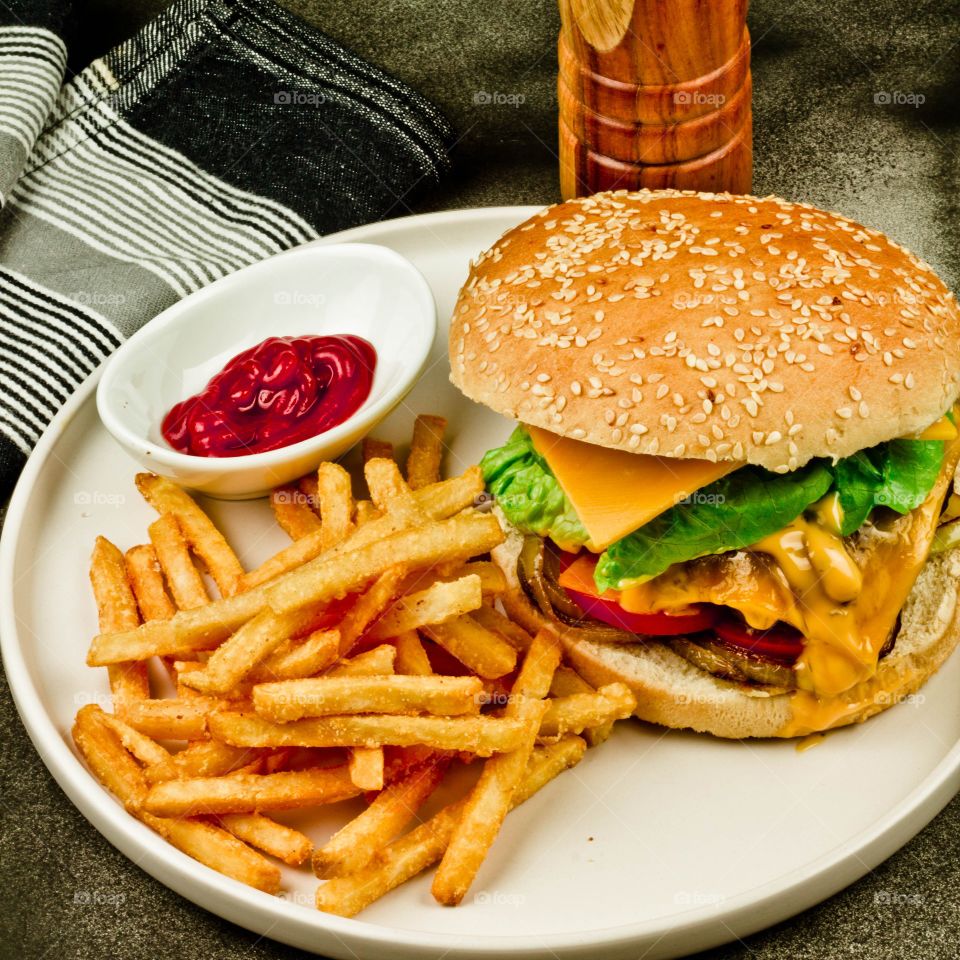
x: 282, y: 391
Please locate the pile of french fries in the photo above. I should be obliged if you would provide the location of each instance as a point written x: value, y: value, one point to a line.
x: 368, y: 657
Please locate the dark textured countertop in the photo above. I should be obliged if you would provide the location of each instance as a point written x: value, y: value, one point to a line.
x: 820, y: 135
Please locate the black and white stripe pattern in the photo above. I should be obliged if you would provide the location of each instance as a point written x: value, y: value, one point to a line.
x: 177, y: 158
x: 32, y: 64
x: 96, y: 177
x: 48, y: 347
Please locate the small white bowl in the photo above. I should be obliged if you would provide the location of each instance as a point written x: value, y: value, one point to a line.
x: 322, y: 289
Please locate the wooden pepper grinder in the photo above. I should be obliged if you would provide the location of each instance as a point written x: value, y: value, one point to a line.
x: 654, y: 93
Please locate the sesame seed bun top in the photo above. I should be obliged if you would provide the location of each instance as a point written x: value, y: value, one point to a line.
x: 707, y: 325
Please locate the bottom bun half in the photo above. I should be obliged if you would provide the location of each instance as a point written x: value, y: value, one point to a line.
x: 674, y: 693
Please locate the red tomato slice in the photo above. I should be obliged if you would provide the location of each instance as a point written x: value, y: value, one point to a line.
x: 781, y: 642
x: 651, y: 624
x: 576, y: 578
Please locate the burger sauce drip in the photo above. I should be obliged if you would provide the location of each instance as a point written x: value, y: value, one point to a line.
x: 282, y: 391
x: 890, y: 575
x: 825, y: 581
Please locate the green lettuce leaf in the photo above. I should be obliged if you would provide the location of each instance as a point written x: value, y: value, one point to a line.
x: 857, y: 480
x: 898, y: 474
x: 728, y: 514
x: 528, y: 493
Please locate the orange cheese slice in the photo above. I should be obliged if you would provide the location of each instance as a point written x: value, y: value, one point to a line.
x: 613, y: 491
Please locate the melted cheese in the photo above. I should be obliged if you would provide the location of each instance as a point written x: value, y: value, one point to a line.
x: 742, y: 581
x: 615, y: 492
x: 845, y: 610
x: 824, y: 580
x: 942, y: 429
x: 889, y: 574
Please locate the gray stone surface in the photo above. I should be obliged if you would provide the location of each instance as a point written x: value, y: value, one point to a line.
x: 821, y: 136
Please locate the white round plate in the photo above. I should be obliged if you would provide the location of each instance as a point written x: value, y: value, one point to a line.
x: 657, y: 844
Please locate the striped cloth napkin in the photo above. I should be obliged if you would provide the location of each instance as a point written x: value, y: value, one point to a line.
x: 224, y: 132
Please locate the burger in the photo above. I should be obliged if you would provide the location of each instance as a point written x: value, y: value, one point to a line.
x: 731, y: 481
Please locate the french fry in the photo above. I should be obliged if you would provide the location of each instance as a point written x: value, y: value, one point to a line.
x: 329, y: 696
x: 485, y: 653
x: 371, y: 449
x: 271, y: 703
x: 364, y: 512
x: 502, y: 626
x: 146, y: 580
x: 566, y: 681
x: 400, y: 761
x: 117, y: 610
x: 205, y: 539
x: 283, y: 759
x: 318, y: 581
x: 371, y: 663
x: 292, y: 512
x: 327, y: 577
x: 308, y: 486
x: 575, y: 713
x: 255, y: 766
x: 116, y: 605
x: 539, y: 667
x: 248, y: 793
x: 277, y: 839
x: 142, y: 747
x: 437, y: 502
x: 486, y: 806
x: 411, y: 656
x: 202, y: 758
x: 366, y: 767
x: 353, y: 846
x: 170, y: 719
x: 481, y: 735
x: 106, y: 756
x: 336, y: 504
x: 389, y: 491
x: 492, y: 580
x: 426, y: 449
x: 188, y: 631
x: 252, y: 643
x: 521, y: 614
x: 489, y: 801
x: 369, y: 606
x: 187, y: 671
x: 438, y: 603
x: 173, y: 554
x: 423, y: 846
x: 297, y: 659
x: 218, y: 849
